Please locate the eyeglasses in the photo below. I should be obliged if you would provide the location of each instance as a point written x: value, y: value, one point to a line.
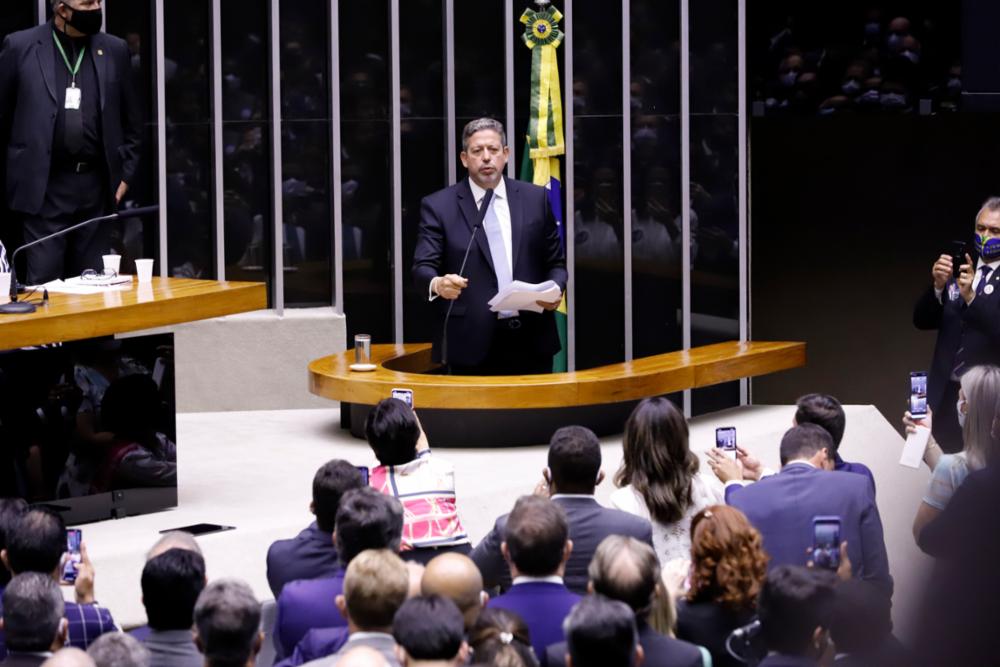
x: 94, y: 274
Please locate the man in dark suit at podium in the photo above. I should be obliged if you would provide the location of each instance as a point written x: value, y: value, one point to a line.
x: 71, y: 126
x: 518, y: 240
x: 965, y: 311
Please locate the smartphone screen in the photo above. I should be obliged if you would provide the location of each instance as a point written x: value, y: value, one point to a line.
x: 74, y: 536
x: 725, y: 438
x: 364, y: 474
x: 918, y: 394
x: 826, y: 542
x: 405, y: 395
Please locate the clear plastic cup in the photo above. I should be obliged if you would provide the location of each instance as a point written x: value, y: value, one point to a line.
x: 144, y: 270
x: 112, y: 263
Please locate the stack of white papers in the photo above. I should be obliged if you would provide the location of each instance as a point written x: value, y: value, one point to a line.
x: 78, y: 286
x: 519, y: 295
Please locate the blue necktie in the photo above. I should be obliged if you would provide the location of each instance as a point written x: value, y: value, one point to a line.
x: 984, y: 270
x: 498, y: 251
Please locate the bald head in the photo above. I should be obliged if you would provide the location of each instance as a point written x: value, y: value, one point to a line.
x: 362, y: 656
x: 69, y: 657
x: 457, y: 578
x: 176, y: 539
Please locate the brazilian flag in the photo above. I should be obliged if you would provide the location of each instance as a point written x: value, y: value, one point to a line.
x: 544, y: 143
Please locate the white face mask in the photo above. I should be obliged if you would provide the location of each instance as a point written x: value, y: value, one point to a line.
x: 961, y: 413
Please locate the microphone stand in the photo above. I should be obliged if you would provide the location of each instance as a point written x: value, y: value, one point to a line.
x: 487, y: 199
x: 16, y: 307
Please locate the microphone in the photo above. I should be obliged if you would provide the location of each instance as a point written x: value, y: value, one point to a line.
x: 487, y: 199
x: 16, y: 307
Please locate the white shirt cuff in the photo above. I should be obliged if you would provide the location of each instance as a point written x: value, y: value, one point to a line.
x: 430, y: 289
x: 938, y: 293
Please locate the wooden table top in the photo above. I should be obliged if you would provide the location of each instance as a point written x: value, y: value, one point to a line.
x: 162, y: 302
x: 403, y: 366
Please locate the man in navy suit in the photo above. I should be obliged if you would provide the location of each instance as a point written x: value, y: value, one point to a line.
x: 311, y: 554
x: 966, y: 314
x: 573, y: 472
x: 782, y: 506
x: 795, y: 610
x: 518, y: 240
x: 71, y: 126
x: 366, y: 519
x: 537, y: 545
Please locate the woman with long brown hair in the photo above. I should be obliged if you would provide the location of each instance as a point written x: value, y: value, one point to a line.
x: 659, y: 476
x: 728, y: 566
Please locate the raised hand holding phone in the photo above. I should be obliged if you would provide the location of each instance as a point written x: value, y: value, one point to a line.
x: 967, y: 275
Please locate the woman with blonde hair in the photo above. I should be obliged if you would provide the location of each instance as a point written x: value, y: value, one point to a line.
x: 978, y: 396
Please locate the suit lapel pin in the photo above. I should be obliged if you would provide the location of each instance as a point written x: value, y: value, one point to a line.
x: 100, y: 52
x: 988, y: 289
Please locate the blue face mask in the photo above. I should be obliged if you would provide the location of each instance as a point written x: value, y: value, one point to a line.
x: 988, y: 250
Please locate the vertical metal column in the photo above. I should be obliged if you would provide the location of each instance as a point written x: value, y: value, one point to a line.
x: 449, y: 89
x: 686, y: 187
x: 40, y: 9
x: 627, y: 172
x: 218, y: 176
x: 335, y: 165
x: 569, y: 213
x: 508, y: 78
x: 274, y: 26
x: 743, y: 198
x: 161, y: 135
x: 397, y: 187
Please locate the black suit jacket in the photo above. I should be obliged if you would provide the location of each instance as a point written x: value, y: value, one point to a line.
x: 447, y: 218
x: 709, y: 624
x: 660, y: 651
x: 976, y: 327
x: 29, y: 102
x: 589, y: 524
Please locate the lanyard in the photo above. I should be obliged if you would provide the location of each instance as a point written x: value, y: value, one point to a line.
x: 72, y: 69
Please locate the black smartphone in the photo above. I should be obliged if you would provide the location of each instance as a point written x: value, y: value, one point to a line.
x: 74, y: 537
x: 918, y: 394
x: 364, y: 474
x: 957, y: 257
x: 725, y: 439
x: 200, y: 528
x: 826, y: 542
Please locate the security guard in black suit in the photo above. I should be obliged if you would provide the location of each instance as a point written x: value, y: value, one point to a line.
x: 966, y: 313
x: 71, y: 125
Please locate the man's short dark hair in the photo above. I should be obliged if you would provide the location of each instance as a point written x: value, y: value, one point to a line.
x: 804, y: 441
x: 368, y: 519
x: 32, y: 608
x: 392, y: 432
x: 536, y: 535
x: 793, y: 603
x: 11, y: 510
x: 862, y: 617
x: 429, y: 627
x: 823, y: 410
x: 332, y: 481
x: 601, y: 633
x: 574, y: 459
x: 171, y: 584
x: 227, y: 617
x: 36, y: 542
x: 480, y: 124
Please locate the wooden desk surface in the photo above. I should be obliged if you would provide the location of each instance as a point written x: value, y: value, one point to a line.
x: 162, y: 302
x: 402, y: 366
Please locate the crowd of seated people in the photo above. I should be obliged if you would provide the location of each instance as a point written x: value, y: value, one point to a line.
x: 692, y: 570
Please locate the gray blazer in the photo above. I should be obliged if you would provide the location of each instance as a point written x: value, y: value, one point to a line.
x: 379, y: 641
x: 173, y: 648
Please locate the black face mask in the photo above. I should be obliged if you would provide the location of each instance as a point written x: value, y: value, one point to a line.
x: 87, y: 21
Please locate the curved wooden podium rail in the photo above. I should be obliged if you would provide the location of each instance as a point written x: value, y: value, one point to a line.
x: 410, y: 366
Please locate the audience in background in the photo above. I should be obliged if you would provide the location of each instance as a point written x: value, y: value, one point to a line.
x: 659, y: 476
x: 627, y: 570
x: 115, y: 649
x: 782, y: 506
x: 171, y: 584
x: 601, y: 633
x: 36, y: 542
x: 34, y: 619
x: 457, y: 578
x: 726, y: 571
x: 978, y: 394
x: 795, y: 610
x: 366, y: 519
x: 69, y: 656
x: 311, y: 554
x: 423, y: 483
x: 861, y: 627
x: 536, y: 545
x: 376, y: 584
x: 227, y: 624
x: 573, y: 472
x: 430, y: 633
x: 500, y: 638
